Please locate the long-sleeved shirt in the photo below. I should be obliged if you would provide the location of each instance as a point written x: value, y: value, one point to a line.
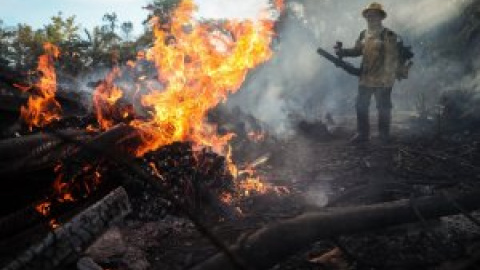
x: 380, y: 57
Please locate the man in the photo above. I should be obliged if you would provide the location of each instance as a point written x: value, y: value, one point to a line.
x: 379, y: 47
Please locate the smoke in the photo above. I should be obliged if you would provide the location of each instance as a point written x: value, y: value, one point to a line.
x: 419, y: 17
x: 298, y: 81
x: 220, y: 9
x: 317, y: 195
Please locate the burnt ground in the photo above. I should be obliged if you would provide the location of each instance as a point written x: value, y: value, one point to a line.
x: 318, y: 172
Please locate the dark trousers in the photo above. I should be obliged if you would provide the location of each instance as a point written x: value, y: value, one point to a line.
x: 383, y: 99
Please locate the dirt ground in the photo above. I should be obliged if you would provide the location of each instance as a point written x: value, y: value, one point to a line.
x: 317, y: 173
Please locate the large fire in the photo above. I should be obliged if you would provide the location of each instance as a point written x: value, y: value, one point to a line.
x: 42, y: 108
x: 198, y: 64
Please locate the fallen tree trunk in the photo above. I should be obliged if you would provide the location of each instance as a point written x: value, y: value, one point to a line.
x: 45, y: 150
x: 272, y: 244
x: 114, y: 138
x: 15, y: 148
x: 34, y: 152
x: 65, y: 244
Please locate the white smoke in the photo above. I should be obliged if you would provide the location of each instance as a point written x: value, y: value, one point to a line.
x: 299, y: 81
x: 420, y: 16
x: 220, y: 9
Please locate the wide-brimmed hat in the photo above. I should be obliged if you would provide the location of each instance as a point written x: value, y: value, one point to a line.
x: 377, y: 7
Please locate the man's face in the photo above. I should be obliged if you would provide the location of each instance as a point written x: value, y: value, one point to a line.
x: 373, y: 16
x: 140, y: 55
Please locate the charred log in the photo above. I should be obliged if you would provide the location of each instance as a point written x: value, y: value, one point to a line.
x: 19, y: 220
x: 43, y: 150
x: 272, y: 244
x: 26, y: 166
x: 64, y: 245
x: 113, y: 138
x: 25, y: 154
x: 36, y: 143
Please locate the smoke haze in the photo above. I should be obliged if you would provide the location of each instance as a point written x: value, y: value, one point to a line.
x: 297, y: 81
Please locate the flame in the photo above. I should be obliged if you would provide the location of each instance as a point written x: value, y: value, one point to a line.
x: 253, y: 185
x: 53, y: 223
x: 248, y: 181
x: 199, y: 68
x: 42, y: 109
x: 43, y: 208
x: 198, y: 65
x: 62, y: 189
x: 105, y: 100
x: 155, y: 170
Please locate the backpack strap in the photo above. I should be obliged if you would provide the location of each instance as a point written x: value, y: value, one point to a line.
x: 362, y: 35
x: 382, y: 46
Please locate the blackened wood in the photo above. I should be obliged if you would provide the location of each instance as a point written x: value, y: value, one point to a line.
x: 114, y: 138
x: 39, y: 151
x: 65, y: 244
x: 35, y: 152
x: 21, y: 147
x: 19, y: 220
x: 272, y: 244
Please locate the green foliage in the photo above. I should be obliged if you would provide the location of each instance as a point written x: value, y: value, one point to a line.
x: 81, y: 49
x: 61, y: 29
x: 5, y: 36
x: 112, y: 20
x: 25, y: 45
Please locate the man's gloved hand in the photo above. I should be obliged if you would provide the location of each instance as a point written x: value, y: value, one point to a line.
x: 338, y: 49
x: 339, y: 52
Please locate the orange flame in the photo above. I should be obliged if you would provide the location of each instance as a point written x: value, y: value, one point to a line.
x: 43, y: 208
x: 42, y: 109
x: 199, y: 68
x: 62, y: 189
x: 105, y: 98
x: 253, y: 184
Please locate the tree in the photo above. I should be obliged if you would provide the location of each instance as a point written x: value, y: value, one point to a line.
x: 111, y: 19
x: 127, y: 28
x: 5, y: 40
x: 161, y: 9
x: 61, y: 29
x: 26, y: 45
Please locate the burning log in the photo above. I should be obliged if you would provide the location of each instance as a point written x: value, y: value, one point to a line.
x: 270, y: 245
x: 64, y: 245
x: 112, y: 138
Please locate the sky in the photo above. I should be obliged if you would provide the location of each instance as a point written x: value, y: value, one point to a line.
x: 89, y: 13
